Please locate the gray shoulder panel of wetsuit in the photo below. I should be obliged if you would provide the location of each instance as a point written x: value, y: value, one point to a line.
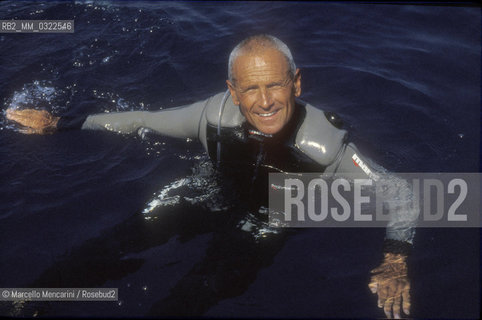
x: 351, y: 164
x: 230, y: 116
x: 318, y: 138
x: 182, y: 122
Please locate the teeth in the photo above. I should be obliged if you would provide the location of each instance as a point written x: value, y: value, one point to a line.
x: 267, y: 114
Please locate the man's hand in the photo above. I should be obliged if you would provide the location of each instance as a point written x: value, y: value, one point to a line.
x: 33, y: 121
x: 391, y: 282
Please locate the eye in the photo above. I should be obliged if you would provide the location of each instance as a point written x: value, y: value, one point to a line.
x: 249, y: 89
x: 278, y: 85
x: 275, y: 85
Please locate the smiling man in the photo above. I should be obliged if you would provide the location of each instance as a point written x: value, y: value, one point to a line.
x: 259, y: 126
x: 265, y: 86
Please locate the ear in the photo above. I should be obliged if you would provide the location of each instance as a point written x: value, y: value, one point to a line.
x: 232, y: 90
x: 297, y: 83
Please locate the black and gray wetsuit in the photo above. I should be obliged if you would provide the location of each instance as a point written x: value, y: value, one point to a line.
x: 311, y: 141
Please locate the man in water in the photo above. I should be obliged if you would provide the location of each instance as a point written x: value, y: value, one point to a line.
x: 259, y: 125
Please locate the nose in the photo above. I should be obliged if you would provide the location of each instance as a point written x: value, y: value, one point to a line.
x: 265, y: 99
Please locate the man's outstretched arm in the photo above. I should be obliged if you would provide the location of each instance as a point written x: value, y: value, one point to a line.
x: 390, y: 279
x: 182, y: 122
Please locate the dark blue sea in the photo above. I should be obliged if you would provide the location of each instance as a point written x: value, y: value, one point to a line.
x: 143, y: 214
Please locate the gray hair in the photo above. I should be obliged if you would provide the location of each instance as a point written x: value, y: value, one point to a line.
x: 256, y: 42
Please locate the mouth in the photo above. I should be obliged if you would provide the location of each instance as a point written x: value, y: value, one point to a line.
x: 268, y: 114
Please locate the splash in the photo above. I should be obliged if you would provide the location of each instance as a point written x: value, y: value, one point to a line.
x: 203, y: 187
x: 37, y: 95
x: 257, y: 227
x: 40, y: 95
x: 200, y: 188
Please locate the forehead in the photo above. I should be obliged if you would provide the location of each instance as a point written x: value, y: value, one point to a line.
x: 266, y: 65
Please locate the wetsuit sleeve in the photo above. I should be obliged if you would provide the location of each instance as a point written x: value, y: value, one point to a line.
x: 70, y: 122
x: 182, y: 122
x: 403, y: 219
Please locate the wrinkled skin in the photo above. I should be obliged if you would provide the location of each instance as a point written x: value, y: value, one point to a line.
x: 33, y: 121
x: 390, y: 281
x: 264, y: 89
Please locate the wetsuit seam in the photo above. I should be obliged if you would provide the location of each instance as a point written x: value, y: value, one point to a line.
x: 339, y: 156
x: 203, y: 114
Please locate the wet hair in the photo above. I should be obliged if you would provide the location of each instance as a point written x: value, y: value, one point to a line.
x: 257, y: 43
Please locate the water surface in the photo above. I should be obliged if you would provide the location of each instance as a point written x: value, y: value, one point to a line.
x: 144, y: 215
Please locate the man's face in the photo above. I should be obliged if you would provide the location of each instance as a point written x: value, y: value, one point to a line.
x: 264, y: 89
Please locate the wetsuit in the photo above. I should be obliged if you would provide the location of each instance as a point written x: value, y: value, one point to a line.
x: 312, y: 141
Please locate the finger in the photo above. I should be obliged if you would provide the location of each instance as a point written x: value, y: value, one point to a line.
x: 20, y: 116
x: 27, y: 131
x: 18, y: 112
x: 388, y: 307
x: 382, y: 296
x: 12, y: 114
x: 396, y: 306
x: 373, y: 285
x: 406, y: 299
x: 397, y: 294
x: 379, y: 269
x: 27, y: 112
